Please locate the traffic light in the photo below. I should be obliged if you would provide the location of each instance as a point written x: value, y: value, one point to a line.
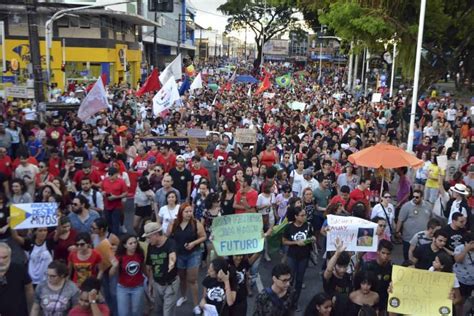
x: 160, y: 5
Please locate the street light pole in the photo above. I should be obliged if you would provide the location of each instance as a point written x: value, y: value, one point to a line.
x: 416, y: 78
x: 392, y: 76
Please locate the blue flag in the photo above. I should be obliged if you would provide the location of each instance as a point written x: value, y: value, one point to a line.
x: 185, y: 85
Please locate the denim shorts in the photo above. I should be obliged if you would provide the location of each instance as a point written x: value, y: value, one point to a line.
x: 189, y: 261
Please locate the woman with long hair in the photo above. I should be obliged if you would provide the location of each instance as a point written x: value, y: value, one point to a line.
x: 188, y: 234
x: 444, y: 263
x: 227, y: 197
x: 64, y: 238
x: 320, y: 305
x: 84, y: 262
x: 168, y: 212
x: 40, y: 252
x: 19, y: 193
x: 298, y: 236
x: 57, y: 294
x: 212, y: 210
x: 364, y: 293
x: 129, y: 265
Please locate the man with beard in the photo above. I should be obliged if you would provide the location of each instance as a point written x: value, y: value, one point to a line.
x: 81, y: 217
x: 16, y: 289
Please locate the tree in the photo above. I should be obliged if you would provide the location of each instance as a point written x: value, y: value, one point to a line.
x: 266, y: 19
x: 448, y: 39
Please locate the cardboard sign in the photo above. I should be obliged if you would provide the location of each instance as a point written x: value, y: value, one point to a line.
x: 420, y: 292
x: 442, y: 162
x: 33, y: 215
x: 357, y: 234
x: 237, y: 234
x: 246, y: 135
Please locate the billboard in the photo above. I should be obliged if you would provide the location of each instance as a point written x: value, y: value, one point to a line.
x: 276, y: 47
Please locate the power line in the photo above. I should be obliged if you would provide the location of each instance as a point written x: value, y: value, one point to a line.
x: 204, y: 11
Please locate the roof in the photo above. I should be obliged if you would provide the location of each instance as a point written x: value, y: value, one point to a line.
x: 119, y: 15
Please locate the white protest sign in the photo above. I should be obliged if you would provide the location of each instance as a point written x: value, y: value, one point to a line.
x: 442, y: 162
x: 32, y: 215
x: 268, y: 95
x: 295, y: 105
x: 376, y: 97
x: 357, y: 234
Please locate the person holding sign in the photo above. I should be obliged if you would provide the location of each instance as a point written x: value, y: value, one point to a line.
x: 298, y: 236
x: 443, y: 262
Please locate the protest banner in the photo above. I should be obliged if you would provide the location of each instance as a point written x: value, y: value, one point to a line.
x: 268, y: 95
x: 420, y: 292
x: 237, y: 234
x: 357, y: 234
x: 245, y: 135
x: 32, y: 215
x: 196, y: 133
x: 376, y: 97
x: 295, y: 105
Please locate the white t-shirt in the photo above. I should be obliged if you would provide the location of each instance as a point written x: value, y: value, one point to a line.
x: 167, y: 215
x: 297, y: 179
x: 455, y: 209
x: 264, y: 200
x: 378, y: 211
x: 450, y: 114
x: 442, y: 198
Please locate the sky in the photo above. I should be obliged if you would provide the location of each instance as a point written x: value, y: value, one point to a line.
x: 207, y: 14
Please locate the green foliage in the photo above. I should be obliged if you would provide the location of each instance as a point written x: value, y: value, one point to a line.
x: 448, y: 35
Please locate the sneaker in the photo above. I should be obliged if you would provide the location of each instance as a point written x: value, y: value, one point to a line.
x: 181, y: 300
x: 197, y: 310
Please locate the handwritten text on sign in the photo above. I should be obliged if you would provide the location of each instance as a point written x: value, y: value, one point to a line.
x: 237, y: 234
x: 32, y: 215
x: 420, y: 292
x: 356, y: 234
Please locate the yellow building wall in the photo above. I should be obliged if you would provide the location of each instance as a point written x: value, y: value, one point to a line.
x: 75, y: 54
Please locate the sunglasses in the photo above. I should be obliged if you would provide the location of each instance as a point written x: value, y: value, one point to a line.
x: 416, y: 196
x: 80, y: 244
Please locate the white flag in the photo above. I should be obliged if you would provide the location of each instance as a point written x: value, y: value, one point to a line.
x: 197, y: 83
x: 172, y: 70
x: 166, y: 97
x: 95, y: 101
x: 249, y: 93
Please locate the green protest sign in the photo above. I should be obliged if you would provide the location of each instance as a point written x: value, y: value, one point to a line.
x: 237, y: 234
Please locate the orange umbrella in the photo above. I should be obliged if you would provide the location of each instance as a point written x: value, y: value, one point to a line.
x: 385, y: 156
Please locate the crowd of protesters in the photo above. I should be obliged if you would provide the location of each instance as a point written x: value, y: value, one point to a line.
x: 295, y: 174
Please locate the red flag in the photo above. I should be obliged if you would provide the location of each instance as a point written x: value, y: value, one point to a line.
x: 264, y: 85
x: 151, y: 84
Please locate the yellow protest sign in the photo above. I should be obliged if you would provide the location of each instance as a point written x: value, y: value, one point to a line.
x: 420, y: 292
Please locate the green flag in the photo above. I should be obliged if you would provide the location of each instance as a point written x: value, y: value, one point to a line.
x: 213, y: 86
x: 284, y: 81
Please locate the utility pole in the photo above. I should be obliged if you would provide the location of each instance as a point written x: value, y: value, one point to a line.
x: 179, y: 34
x: 245, y: 43
x: 35, y: 50
x: 215, y: 48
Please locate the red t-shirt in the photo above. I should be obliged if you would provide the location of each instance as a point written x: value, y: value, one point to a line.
x: 141, y: 163
x: 79, y: 311
x: 61, y: 251
x: 218, y: 153
x: 131, y: 268
x: 6, y: 166
x: 93, y: 175
x: 229, y: 172
x: 251, y: 197
x: 358, y: 195
x: 54, y: 166
x: 168, y: 161
x: 84, y: 269
x: 198, y: 174
x: 113, y: 187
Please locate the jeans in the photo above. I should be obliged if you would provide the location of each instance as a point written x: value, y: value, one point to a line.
x: 113, y: 221
x: 298, y: 268
x: 109, y: 288
x: 165, y: 297
x: 130, y: 300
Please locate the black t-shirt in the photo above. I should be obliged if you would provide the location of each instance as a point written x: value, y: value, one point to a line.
x: 335, y: 285
x: 4, y: 214
x: 29, y: 244
x: 12, y: 291
x: 3, y: 179
x: 180, y: 181
x: 158, y: 259
x: 215, y: 293
x: 294, y: 233
x: 79, y: 158
x: 456, y: 237
x: 425, y: 256
x: 241, y: 274
x: 311, y: 210
x: 384, y: 277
